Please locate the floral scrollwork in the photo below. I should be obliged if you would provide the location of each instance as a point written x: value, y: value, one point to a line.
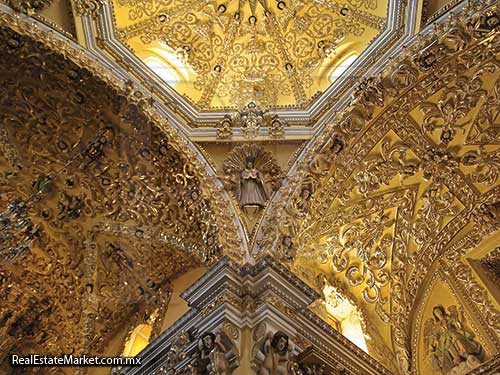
x: 455, y: 104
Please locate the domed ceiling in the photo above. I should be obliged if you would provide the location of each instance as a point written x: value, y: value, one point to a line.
x: 225, y: 54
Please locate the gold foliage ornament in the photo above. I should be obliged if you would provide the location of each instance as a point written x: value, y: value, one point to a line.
x: 407, y: 153
x: 92, y: 160
x: 251, y: 120
x: 29, y: 7
x: 17, y: 231
x: 455, y: 103
x: 269, y: 52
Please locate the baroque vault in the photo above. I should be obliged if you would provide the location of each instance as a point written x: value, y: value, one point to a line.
x: 251, y: 187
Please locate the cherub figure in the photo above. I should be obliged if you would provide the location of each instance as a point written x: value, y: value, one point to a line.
x: 273, y: 356
x: 322, y: 161
x: 218, y: 354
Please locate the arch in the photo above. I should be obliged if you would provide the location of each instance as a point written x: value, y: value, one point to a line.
x: 233, y: 238
x: 121, y: 201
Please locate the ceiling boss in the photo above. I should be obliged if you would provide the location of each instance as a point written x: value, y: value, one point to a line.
x: 226, y: 54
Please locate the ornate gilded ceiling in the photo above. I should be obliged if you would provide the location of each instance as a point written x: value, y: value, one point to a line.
x: 108, y: 206
x: 402, y: 183
x: 226, y: 54
x: 394, y: 204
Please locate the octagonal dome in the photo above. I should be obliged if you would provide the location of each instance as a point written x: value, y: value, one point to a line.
x: 224, y: 54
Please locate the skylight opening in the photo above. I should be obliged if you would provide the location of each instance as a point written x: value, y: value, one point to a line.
x: 165, y: 71
x: 342, y: 67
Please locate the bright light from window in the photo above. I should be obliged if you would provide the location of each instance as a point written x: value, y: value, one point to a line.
x: 348, y: 316
x: 138, y: 340
x: 163, y: 70
x: 340, y: 69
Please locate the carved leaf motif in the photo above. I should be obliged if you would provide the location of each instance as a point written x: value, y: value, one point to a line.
x: 445, y: 82
x: 436, y: 206
x: 486, y: 165
x: 454, y: 105
x: 479, y: 296
x: 486, y: 126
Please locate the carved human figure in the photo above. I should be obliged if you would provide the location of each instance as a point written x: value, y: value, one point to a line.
x: 252, y: 191
x: 218, y: 355
x: 251, y: 173
x: 322, y: 161
x: 452, y: 347
x: 118, y: 255
x: 304, y: 198
x: 274, y: 356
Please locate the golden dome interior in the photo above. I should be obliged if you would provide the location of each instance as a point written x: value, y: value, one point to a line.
x: 225, y: 54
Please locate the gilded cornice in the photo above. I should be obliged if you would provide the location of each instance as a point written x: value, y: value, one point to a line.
x: 254, y: 297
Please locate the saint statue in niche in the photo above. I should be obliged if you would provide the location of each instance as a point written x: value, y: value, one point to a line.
x: 252, y: 174
x: 252, y: 191
x: 452, y: 347
x: 273, y: 356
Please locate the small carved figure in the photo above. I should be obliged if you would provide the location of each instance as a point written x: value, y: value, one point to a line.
x: 118, y: 256
x: 273, y: 356
x: 322, y: 161
x: 252, y: 174
x: 451, y: 345
x: 252, y: 191
x: 304, y: 197
x: 218, y: 354
x: 225, y: 130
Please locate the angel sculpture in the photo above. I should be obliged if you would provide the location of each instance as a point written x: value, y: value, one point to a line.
x: 273, y: 356
x: 451, y: 345
x: 322, y: 161
x: 218, y: 354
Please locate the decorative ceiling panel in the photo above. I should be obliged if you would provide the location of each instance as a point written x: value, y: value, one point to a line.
x: 226, y: 54
x: 418, y: 150
x: 99, y: 206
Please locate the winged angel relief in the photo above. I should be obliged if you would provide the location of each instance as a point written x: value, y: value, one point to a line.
x: 252, y: 174
x: 450, y: 344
